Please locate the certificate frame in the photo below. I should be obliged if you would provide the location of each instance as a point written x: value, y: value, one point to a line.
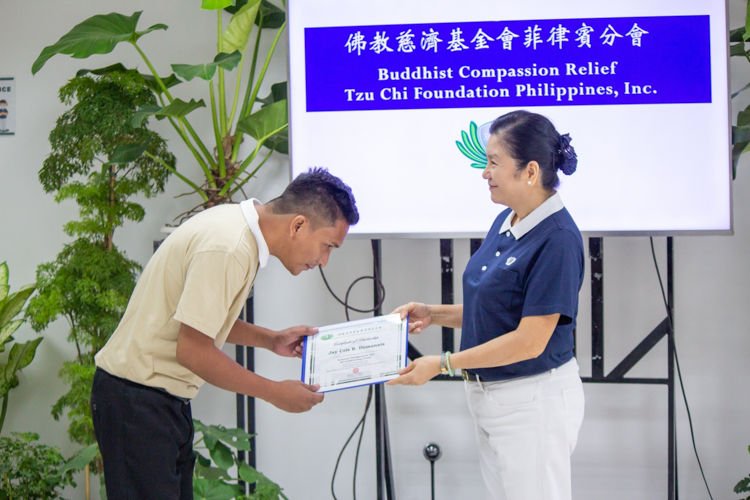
x: 354, y: 331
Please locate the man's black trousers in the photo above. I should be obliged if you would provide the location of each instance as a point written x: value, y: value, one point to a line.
x: 145, y: 437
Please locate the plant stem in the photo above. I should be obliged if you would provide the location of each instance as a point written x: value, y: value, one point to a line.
x: 222, y: 95
x: 4, y: 411
x: 263, y: 70
x: 236, y: 91
x: 182, y: 177
x: 248, y: 160
x: 169, y: 96
x: 248, y: 90
x: 153, y: 72
x: 245, y: 180
x: 219, y: 145
x: 251, y: 102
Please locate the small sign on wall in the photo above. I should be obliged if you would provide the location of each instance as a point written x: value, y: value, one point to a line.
x: 7, y: 106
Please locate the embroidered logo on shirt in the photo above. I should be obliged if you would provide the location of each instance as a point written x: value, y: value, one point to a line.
x: 510, y: 261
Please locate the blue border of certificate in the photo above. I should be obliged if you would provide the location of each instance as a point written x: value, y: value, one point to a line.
x: 402, y: 361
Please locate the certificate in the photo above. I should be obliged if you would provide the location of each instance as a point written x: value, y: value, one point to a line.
x: 363, y: 352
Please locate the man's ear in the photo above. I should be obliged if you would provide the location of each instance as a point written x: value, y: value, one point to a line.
x: 297, y: 224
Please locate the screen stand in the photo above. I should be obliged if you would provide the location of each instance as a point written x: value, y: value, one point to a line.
x: 382, y: 439
x: 617, y: 375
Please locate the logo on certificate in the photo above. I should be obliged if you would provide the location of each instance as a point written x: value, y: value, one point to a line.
x: 327, y: 336
x: 356, y: 370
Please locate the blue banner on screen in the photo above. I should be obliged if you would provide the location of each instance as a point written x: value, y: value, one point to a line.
x: 569, y: 62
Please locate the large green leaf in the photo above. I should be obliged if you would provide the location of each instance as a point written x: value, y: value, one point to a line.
x: 216, y: 4
x: 81, y: 458
x: 208, y: 70
x: 239, y: 28
x: 126, y: 153
x: 14, y: 303
x: 736, y: 35
x: 738, y: 49
x: 221, y: 455
x: 96, y: 35
x: 265, y: 122
x: 740, y: 134
x: 20, y: 357
x: 4, y: 288
x: 8, y: 330
x: 738, y: 149
x: 209, y: 489
x: 270, y: 17
x: 177, y: 109
x: 278, y: 93
x: 248, y: 473
x: 279, y: 142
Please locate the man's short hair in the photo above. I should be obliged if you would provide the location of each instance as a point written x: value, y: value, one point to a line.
x: 320, y: 196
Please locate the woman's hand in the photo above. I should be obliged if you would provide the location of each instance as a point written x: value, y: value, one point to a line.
x: 419, y: 371
x: 288, y: 343
x: 420, y: 316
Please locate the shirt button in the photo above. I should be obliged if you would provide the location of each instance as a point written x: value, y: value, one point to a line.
x: 497, y: 254
x: 484, y: 268
x: 507, y: 233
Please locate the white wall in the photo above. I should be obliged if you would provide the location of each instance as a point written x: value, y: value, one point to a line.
x: 622, y: 446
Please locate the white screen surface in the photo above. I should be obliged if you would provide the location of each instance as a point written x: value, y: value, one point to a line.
x: 654, y: 162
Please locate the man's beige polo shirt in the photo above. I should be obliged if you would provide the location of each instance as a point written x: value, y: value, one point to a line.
x: 201, y: 275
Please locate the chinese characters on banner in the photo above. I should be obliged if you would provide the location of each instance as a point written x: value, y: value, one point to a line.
x: 429, y: 41
x: 508, y: 63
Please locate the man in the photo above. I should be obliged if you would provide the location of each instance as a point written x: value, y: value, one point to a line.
x: 185, y: 306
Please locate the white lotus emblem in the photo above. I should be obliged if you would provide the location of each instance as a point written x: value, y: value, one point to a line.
x: 510, y: 261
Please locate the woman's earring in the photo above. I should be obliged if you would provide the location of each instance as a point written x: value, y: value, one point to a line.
x: 529, y: 183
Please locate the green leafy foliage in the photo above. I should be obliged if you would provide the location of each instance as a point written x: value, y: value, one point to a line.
x: 29, y: 470
x: 81, y: 458
x: 20, y: 355
x: 96, y: 125
x: 177, y: 109
x: 87, y: 285
x: 740, y: 133
x: 222, y: 168
x: 238, y: 32
x: 744, y: 485
x: 96, y: 35
x: 265, y: 122
x: 80, y: 377
x: 208, y: 70
x: 214, y: 481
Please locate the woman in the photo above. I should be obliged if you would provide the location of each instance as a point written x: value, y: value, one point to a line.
x: 520, y: 304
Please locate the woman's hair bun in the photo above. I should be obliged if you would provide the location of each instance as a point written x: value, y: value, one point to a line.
x: 569, y: 161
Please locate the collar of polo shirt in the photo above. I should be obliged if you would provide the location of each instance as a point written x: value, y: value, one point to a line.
x: 251, y: 216
x: 552, y: 205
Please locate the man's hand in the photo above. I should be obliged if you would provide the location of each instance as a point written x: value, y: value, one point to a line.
x: 295, y: 396
x: 419, y: 371
x: 420, y: 316
x: 288, y: 342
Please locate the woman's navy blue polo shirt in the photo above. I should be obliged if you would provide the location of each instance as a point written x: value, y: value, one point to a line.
x: 534, y: 268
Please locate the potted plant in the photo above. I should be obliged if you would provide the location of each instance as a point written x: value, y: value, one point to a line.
x: 97, y: 161
x: 224, y: 171
x: 212, y: 479
x: 29, y: 470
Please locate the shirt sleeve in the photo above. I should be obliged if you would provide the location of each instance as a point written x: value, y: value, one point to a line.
x: 554, y: 281
x: 212, y: 282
